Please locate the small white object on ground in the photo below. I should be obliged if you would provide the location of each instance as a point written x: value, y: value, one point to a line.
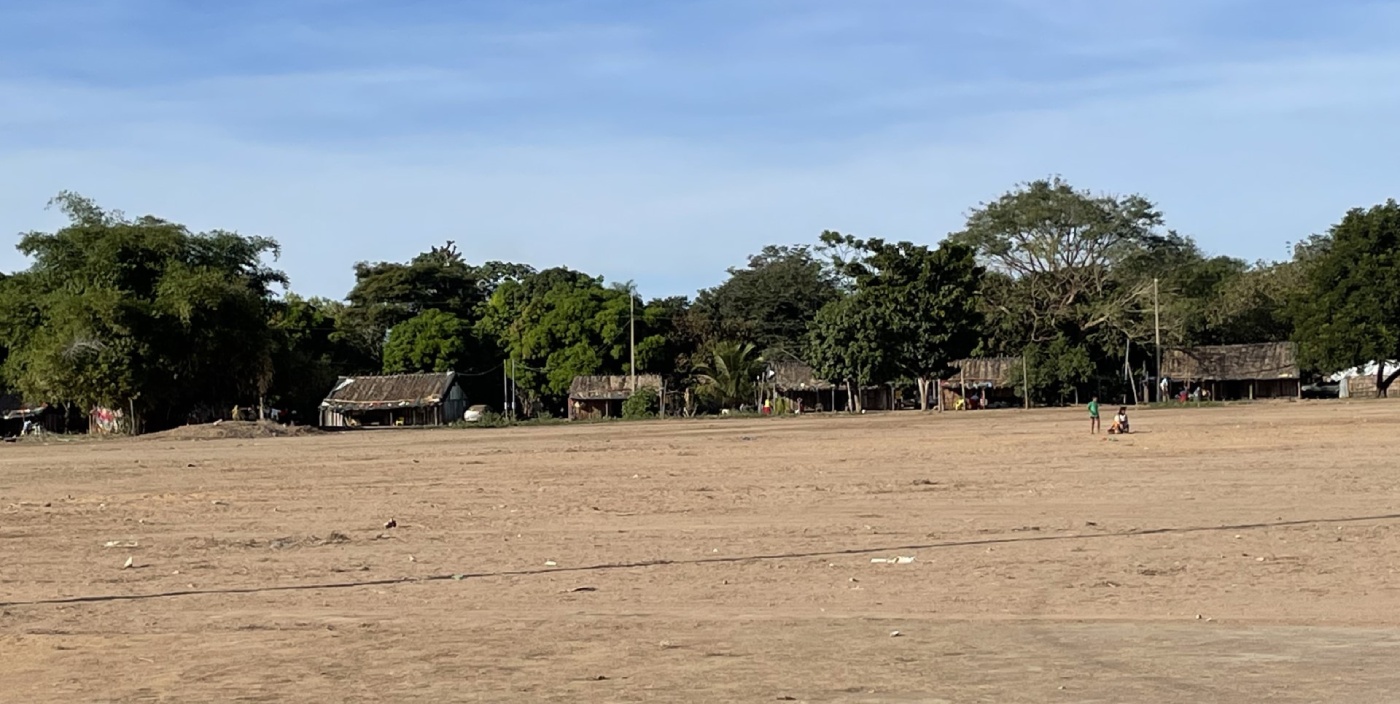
x: 895, y: 634
x: 129, y: 562
x: 550, y: 563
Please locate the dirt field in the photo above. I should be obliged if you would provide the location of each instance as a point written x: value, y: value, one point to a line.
x: 1233, y: 554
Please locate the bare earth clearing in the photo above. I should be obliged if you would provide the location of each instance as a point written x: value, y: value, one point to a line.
x: 716, y: 561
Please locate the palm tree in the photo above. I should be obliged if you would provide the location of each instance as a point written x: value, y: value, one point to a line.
x: 729, y: 373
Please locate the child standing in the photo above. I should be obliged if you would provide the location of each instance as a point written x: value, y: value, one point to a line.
x: 1094, y: 415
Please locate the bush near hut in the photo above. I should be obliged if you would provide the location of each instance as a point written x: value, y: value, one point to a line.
x: 643, y: 403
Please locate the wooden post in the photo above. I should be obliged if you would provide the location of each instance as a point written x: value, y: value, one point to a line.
x: 962, y: 381
x: 1026, y: 380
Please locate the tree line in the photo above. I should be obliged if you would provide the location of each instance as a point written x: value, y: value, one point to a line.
x: 169, y: 325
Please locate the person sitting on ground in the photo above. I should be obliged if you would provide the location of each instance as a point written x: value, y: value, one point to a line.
x: 1120, y: 423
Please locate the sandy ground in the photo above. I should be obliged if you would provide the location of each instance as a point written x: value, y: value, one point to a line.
x: 1234, y: 554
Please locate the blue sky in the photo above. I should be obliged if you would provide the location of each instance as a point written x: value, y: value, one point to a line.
x: 663, y: 141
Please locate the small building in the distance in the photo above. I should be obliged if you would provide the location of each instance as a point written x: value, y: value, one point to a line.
x: 991, y: 381
x: 1235, y: 372
x: 594, y: 397
x: 798, y: 383
x: 394, y: 401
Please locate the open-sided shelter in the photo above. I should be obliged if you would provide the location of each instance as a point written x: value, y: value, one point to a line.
x: 394, y: 400
x: 592, y: 397
x: 798, y: 383
x: 1234, y: 372
x: 989, y: 378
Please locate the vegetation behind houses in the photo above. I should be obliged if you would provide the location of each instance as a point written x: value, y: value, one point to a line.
x: 170, y: 325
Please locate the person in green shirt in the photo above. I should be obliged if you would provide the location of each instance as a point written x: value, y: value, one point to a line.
x: 1094, y: 415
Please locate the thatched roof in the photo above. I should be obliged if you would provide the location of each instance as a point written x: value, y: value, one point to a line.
x: 796, y: 376
x: 368, y: 393
x: 1270, y: 360
x: 996, y: 371
x: 610, y: 388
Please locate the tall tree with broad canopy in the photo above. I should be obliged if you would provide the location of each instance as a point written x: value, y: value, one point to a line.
x: 432, y: 341
x: 139, y: 314
x: 389, y: 293
x: 925, y: 301
x: 771, y: 301
x: 1059, y: 251
x: 846, y: 344
x: 1352, y: 316
x: 559, y: 323
x: 307, y: 358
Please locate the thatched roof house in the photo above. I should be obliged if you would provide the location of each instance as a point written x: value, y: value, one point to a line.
x: 981, y: 382
x: 795, y: 376
x: 996, y: 372
x: 602, y: 396
x: 1267, y: 369
x: 610, y: 388
x: 398, y: 399
x: 1269, y: 360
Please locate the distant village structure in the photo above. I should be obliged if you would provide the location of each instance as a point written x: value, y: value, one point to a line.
x: 986, y: 382
x: 1360, y: 382
x: 595, y: 397
x: 797, y: 383
x: 1234, y: 372
x: 394, y: 401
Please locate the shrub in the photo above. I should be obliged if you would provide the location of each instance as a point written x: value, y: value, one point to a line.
x: 644, y: 403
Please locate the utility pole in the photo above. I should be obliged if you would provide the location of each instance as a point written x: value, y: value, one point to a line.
x: 1157, y: 334
x: 632, y: 317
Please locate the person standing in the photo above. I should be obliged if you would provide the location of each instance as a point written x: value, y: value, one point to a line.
x: 1094, y: 415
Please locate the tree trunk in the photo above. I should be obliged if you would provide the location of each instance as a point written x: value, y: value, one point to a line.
x: 923, y: 394
x: 1383, y: 382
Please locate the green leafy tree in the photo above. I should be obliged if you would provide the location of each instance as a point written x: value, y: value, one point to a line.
x: 1351, y: 316
x: 729, y: 374
x: 389, y: 293
x: 139, y: 314
x: 558, y: 324
x: 925, y: 301
x: 771, y: 301
x: 846, y: 344
x: 432, y: 341
x: 643, y: 403
x: 307, y: 358
x: 1061, y: 249
x: 1058, y: 371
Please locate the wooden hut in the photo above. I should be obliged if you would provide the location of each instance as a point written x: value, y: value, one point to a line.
x: 394, y: 401
x: 989, y: 380
x: 1235, y: 372
x: 797, y: 383
x: 593, y: 397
